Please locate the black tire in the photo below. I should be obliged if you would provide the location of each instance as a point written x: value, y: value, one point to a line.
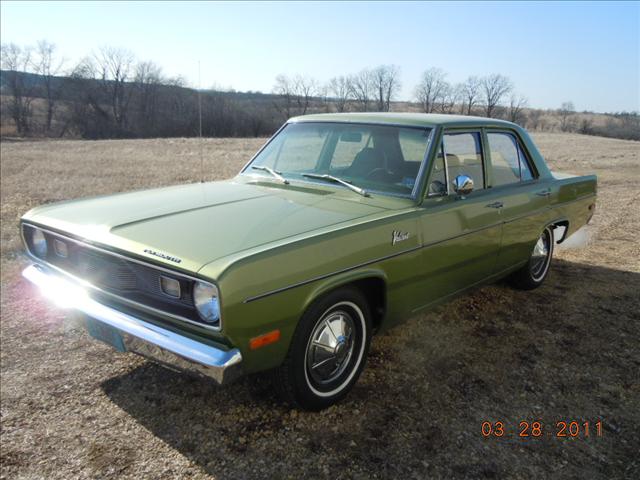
x: 534, y: 273
x: 295, y: 380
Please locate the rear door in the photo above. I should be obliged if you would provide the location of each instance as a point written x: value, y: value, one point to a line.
x: 461, y: 234
x: 525, y: 199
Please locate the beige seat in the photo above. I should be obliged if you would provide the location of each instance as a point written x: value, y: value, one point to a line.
x: 467, y: 164
x: 503, y: 173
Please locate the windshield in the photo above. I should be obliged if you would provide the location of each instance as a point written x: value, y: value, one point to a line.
x: 374, y: 157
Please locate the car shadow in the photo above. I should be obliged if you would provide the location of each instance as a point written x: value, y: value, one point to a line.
x: 564, y: 349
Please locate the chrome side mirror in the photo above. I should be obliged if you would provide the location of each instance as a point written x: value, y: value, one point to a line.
x: 463, y: 185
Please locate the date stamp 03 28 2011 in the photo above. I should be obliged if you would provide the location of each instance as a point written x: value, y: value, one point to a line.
x: 538, y: 429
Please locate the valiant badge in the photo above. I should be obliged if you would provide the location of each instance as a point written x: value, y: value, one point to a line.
x: 397, y: 236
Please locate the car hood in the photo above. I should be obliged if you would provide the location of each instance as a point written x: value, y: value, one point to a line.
x: 199, y: 223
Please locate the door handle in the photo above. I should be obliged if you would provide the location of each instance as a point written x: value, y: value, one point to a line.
x: 495, y: 205
x: 544, y: 193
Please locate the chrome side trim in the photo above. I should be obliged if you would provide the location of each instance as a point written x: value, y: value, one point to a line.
x: 159, y: 344
x: 380, y: 259
x: 119, y: 298
x: 364, y: 264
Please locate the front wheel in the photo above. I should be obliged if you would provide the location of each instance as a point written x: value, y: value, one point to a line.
x: 533, y: 274
x: 327, y: 352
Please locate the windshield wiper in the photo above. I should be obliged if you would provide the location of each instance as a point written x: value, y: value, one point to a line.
x: 273, y: 173
x: 331, y: 178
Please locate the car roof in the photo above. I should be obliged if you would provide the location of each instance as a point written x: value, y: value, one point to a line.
x: 401, y: 118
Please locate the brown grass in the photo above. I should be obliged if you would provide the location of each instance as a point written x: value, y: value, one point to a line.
x: 73, y: 408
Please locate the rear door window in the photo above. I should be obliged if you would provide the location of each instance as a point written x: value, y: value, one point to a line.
x: 508, y: 161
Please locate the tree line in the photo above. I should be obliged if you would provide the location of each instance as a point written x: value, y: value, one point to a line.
x: 111, y: 94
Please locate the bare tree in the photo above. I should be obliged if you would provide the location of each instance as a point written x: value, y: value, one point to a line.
x: 533, y: 119
x: 113, y: 67
x: 448, y: 98
x: 495, y: 87
x: 470, y: 93
x: 322, y: 97
x: 586, y: 126
x: 362, y: 88
x: 103, y: 81
x: 48, y: 66
x: 339, y: 89
x: 386, y: 84
x: 284, y: 88
x: 295, y: 94
x: 89, y: 115
x: 431, y: 89
x: 517, y: 104
x: 147, y: 82
x: 305, y: 89
x: 566, y: 112
x: 15, y: 61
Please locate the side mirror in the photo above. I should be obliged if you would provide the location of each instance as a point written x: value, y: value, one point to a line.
x: 463, y: 185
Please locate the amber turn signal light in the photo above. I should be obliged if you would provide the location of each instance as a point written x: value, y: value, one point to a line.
x: 266, y: 339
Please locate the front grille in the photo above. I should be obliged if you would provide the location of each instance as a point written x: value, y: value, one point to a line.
x: 106, y: 273
x: 118, y: 276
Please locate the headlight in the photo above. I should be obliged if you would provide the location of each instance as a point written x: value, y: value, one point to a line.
x: 205, y: 298
x: 39, y: 243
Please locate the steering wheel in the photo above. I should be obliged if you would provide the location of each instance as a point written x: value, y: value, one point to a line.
x: 376, y: 173
x: 437, y: 187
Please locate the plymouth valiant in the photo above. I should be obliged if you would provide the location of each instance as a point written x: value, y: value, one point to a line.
x: 341, y: 226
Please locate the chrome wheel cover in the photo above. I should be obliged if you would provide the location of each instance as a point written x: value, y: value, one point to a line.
x: 541, y: 256
x: 330, y: 347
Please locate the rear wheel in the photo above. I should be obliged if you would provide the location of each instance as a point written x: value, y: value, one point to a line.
x: 328, y: 351
x: 533, y: 274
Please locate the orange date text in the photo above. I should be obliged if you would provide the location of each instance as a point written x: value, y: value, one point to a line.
x: 537, y: 429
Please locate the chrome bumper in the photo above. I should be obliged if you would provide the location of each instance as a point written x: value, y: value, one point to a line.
x: 161, y: 345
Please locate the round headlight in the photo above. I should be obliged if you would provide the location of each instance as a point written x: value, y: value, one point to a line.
x: 39, y: 243
x: 205, y: 298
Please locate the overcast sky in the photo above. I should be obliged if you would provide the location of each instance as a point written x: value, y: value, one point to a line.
x: 588, y: 53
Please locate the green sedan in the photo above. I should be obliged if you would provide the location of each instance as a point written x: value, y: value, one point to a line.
x: 341, y: 226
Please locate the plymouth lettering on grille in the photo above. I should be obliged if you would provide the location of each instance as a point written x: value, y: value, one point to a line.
x: 163, y: 255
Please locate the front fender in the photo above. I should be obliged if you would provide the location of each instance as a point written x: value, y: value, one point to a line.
x: 340, y: 280
x: 280, y: 311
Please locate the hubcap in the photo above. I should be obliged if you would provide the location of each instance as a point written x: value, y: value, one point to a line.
x: 331, y: 347
x: 540, y: 255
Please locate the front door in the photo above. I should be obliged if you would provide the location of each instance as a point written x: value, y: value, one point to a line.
x: 460, y: 233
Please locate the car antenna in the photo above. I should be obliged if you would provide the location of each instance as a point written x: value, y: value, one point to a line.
x: 200, y: 126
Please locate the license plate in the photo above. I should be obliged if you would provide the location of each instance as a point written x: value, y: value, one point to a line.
x: 105, y: 333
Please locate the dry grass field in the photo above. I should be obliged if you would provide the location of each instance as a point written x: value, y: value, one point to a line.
x: 73, y: 408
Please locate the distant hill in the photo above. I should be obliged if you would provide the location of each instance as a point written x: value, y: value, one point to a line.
x: 79, y: 107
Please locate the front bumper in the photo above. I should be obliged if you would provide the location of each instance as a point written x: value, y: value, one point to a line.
x: 156, y: 343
